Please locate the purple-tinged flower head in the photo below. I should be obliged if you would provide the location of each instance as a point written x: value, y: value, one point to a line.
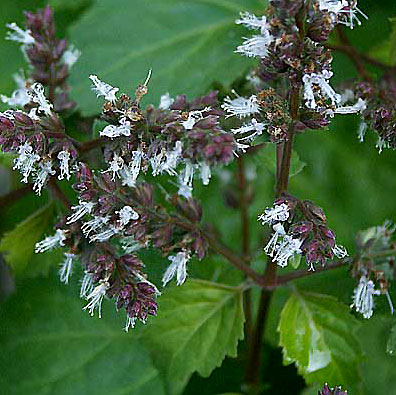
x: 45, y: 53
x: 332, y: 391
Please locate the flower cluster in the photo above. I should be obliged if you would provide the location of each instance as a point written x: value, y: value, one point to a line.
x: 282, y: 53
x: 299, y: 229
x: 178, y: 138
x: 108, y: 227
x: 374, y: 266
x: 38, y: 139
x: 49, y: 59
x: 379, y: 114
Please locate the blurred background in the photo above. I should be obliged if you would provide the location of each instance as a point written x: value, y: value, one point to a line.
x: 48, y: 344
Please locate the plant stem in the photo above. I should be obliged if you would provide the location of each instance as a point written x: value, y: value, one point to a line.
x: 54, y: 187
x: 243, y: 207
x: 270, y: 279
x: 14, y: 196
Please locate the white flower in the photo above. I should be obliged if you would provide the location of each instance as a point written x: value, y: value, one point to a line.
x: 240, y: 106
x: 126, y: 214
x: 381, y: 144
x: 277, y: 213
x: 95, y: 298
x: 340, y: 251
x: 50, y: 242
x: 166, y: 101
x: 255, y: 46
x: 172, y: 158
x: 345, y: 11
x: 64, y: 157
x: 359, y: 107
x: 104, y: 235
x: 130, y: 323
x: 20, y: 97
x: 270, y: 248
x: 94, y: 224
x: 363, y: 300
x: 19, y: 35
x: 36, y: 94
x: 321, y: 81
x: 194, y: 117
x: 66, y: 268
x: 249, y: 131
x: 70, y: 56
x: 44, y: 171
x: 26, y: 160
x: 287, y: 249
x: 205, y: 173
x: 103, y: 89
x: 130, y: 173
x: 178, y: 267
x: 186, y: 181
x: 116, y: 165
x: 86, y: 285
x: 79, y: 211
x: 124, y: 129
x: 251, y: 21
x: 362, y: 131
x: 130, y: 245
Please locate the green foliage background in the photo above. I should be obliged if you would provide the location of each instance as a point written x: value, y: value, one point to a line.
x: 50, y: 346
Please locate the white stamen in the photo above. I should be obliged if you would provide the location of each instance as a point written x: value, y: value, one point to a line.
x: 116, y: 166
x: 166, y: 101
x: 205, y: 172
x: 240, y: 106
x: 19, y: 35
x: 64, y: 157
x: 95, y: 298
x: 178, y: 267
x: 126, y: 214
x: 26, y: 161
x: 50, y: 242
x: 66, y: 268
x: 70, y: 56
x: 277, y: 213
x: 363, y: 300
x: 79, y: 211
x: 194, y: 117
x: 340, y: 251
x: 103, y: 89
x: 124, y: 129
x: 45, y: 170
x: 36, y: 94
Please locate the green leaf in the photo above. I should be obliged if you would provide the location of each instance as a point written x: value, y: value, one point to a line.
x: 391, y: 344
x: 386, y: 51
x: 198, y: 324
x: 50, y: 346
x: 317, y: 333
x: 267, y: 157
x: 18, y: 244
x: 188, y: 45
x: 6, y: 159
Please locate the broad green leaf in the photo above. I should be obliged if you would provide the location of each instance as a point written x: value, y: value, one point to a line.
x: 50, y: 346
x: 267, y: 157
x: 317, y: 333
x: 188, y: 45
x: 18, y: 244
x: 198, y: 324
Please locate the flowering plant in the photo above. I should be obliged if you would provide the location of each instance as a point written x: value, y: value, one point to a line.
x: 134, y: 198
